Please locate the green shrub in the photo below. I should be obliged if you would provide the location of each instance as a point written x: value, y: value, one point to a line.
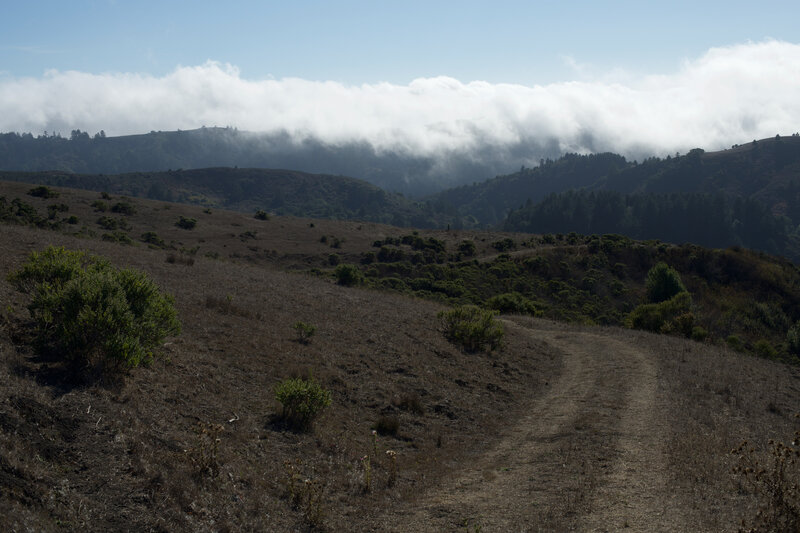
x: 334, y: 259
x: 348, y: 275
x: 467, y: 248
x: 304, y: 331
x: 108, y: 223
x: 152, y: 238
x: 513, y: 302
x: 123, y: 208
x: 663, y: 282
x: 186, y: 223
x: 793, y: 339
x: 699, y: 334
x: 735, y: 343
x: 504, y: 245
x: 93, y: 314
x: 303, y: 400
x: 261, y: 215
x: 100, y: 205
x: 472, y: 327
x: 764, y: 349
x: 660, y: 317
x: 43, y: 192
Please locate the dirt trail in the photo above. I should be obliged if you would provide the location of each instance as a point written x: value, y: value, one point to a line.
x: 586, y: 457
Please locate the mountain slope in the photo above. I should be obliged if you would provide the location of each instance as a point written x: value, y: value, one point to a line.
x: 396, y: 170
x: 583, y: 427
x: 767, y: 170
x: 245, y: 189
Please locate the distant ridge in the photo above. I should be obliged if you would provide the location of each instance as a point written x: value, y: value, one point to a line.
x: 396, y: 170
x: 285, y: 192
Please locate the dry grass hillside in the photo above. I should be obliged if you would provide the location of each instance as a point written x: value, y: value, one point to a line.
x: 563, y: 428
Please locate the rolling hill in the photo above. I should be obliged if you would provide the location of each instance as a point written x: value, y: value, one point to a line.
x: 396, y: 171
x: 767, y: 171
x: 284, y: 192
x: 564, y: 427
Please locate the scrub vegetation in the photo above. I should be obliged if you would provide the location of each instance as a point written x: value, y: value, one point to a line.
x: 430, y: 380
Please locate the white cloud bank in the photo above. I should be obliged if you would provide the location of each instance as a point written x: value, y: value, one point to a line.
x: 729, y: 95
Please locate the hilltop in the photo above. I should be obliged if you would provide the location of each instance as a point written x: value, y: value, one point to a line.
x: 552, y: 430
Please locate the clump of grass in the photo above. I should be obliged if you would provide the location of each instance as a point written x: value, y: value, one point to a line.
x: 392, y: 456
x: 226, y: 306
x: 304, y: 331
x: 173, y: 258
x: 304, y: 493
x: 367, y: 466
x: 205, y: 454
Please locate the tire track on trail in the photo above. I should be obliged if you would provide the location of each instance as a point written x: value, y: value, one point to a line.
x: 586, y: 456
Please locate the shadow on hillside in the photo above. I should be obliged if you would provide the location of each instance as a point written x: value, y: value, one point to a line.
x: 48, y: 367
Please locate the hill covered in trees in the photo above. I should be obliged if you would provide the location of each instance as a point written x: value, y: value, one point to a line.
x: 767, y: 170
x: 748, y: 195
x: 712, y: 220
x: 284, y: 192
x: 398, y: 170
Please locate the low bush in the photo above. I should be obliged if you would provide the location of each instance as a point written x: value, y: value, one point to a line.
x: 186, y: 223
x: 467, y: 248
x: 661, y: 317
x: 261, y: 215
x: 123, y: 208
x: 92, y: 314
x: 793, y: 339
x: 304, y: 331
x: 348, y: 275
x: 43, y: 192
x: 472, y: 327
x: 152, y: 238
x: 763, y: 348
x: 513, y: 302
x: 303, y: 400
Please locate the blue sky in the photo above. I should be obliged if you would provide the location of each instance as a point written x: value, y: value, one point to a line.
x: 370, y: 41
x: 638, y: 78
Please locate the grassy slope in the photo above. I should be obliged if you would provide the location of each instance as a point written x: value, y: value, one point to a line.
x: 116, y: 458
